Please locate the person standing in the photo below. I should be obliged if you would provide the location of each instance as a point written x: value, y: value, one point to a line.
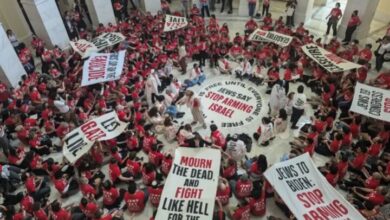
x: 252, y: 7
x: 383, y: 48
x: 334, y: 17
x: 185, y: 4
x: 151, y: 87
x: 212, y: 5
x: 204, y: 6
x: 194, y: 104
x: 298, y: 107
x: 182, y: 58
x: 265, y: 7
x: 290, y: 14
x: 223, y: 5
x: 230, y: 6
x: 353, y: 23
x: 12, y: 38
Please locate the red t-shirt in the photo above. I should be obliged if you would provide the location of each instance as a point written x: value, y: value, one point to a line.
x: 114, y: 172
x: 148, y: 178
x: 371, y: 183
x: 359, y: 161
x: 365, y: 54
x: 133, y: 167
x: 258, y: 206
x: 27, y: 203
x: 87, y: 189
x: 166, y: 165
x: 155, y: 157
x: 376, y: 198
x: 336, y: 12
x: 224, y: 195
x: 62, y: 214
x: 30, y: 184
x: 155, y: 195
x: 243, y: 189
x: 229, y: 171
x: 60, y: 184
x: 135, y: 202
x: 110, y: 196
x: 40, y: 215
x: 242, y: 213
x: 218, y: 138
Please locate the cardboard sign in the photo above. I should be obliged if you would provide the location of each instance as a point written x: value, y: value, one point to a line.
x: 331, y: 62
x: 103, y: 67
x: 372, y: 102
x: 191, y: 186
x: 174, y: 22
x: 230, y: 103
x: 307, y: 193
x: 86, y: 48
x: 79, y: 141
x: 271, y: 36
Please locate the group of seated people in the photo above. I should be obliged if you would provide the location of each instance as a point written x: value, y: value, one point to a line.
x: 48, y: 104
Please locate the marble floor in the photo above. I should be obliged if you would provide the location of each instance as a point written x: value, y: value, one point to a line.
x: 278, y: 146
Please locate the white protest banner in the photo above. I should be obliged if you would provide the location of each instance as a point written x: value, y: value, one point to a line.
x: 80, y: 140
x: 191, y: 185
x: 174, y: 22
x: 83, y: 47
x: 103, y: 67
x: 307, y: 193
x: 86, y: 48
x: 372, y: 102
x: 331, y: 62
x: 271, y: 36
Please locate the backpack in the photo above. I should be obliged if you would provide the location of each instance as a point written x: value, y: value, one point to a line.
x: 247, y: 141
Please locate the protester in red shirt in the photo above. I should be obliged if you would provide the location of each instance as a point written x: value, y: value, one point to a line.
x: 242, y: 187
x: 353, y: 23
x: 155, y: 191
x: 258, y: 201
x: 135, y: 199
x: 334, y: 17
x: 241, y: 212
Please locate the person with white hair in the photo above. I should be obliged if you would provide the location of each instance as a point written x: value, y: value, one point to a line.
x: 151, y: 87
x: 194, y: 104
x: 244, y: 70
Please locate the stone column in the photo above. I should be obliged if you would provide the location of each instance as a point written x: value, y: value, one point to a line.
x: 303, y: 11
x: 152, y: 6
x: 366, y: 10
x: 101, y: 11
x: 11, y: 69
x: 47, y: 21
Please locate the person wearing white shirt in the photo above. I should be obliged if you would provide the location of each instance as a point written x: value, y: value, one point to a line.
x: 236, y: 149
x: 151, y: 87
x: 244, y: 70
x: 299, y: 103
x: 380, y: 53
x: 197, y: 76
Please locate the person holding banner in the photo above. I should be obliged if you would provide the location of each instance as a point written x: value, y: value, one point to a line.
x: 334, y: 17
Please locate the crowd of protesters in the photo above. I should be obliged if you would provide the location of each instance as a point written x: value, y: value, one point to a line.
x: 49, y: 103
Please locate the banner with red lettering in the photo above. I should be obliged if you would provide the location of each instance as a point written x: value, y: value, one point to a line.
x: 83, y: 47
x: 307, y: 193
x: 331, y: 62
x: 174, y: 22
x: 271, y: 36
x: 86, y: 48
x: 103, y: 67
x: 191, y: 186
x: 372, y: 102
x: 79, y: 141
